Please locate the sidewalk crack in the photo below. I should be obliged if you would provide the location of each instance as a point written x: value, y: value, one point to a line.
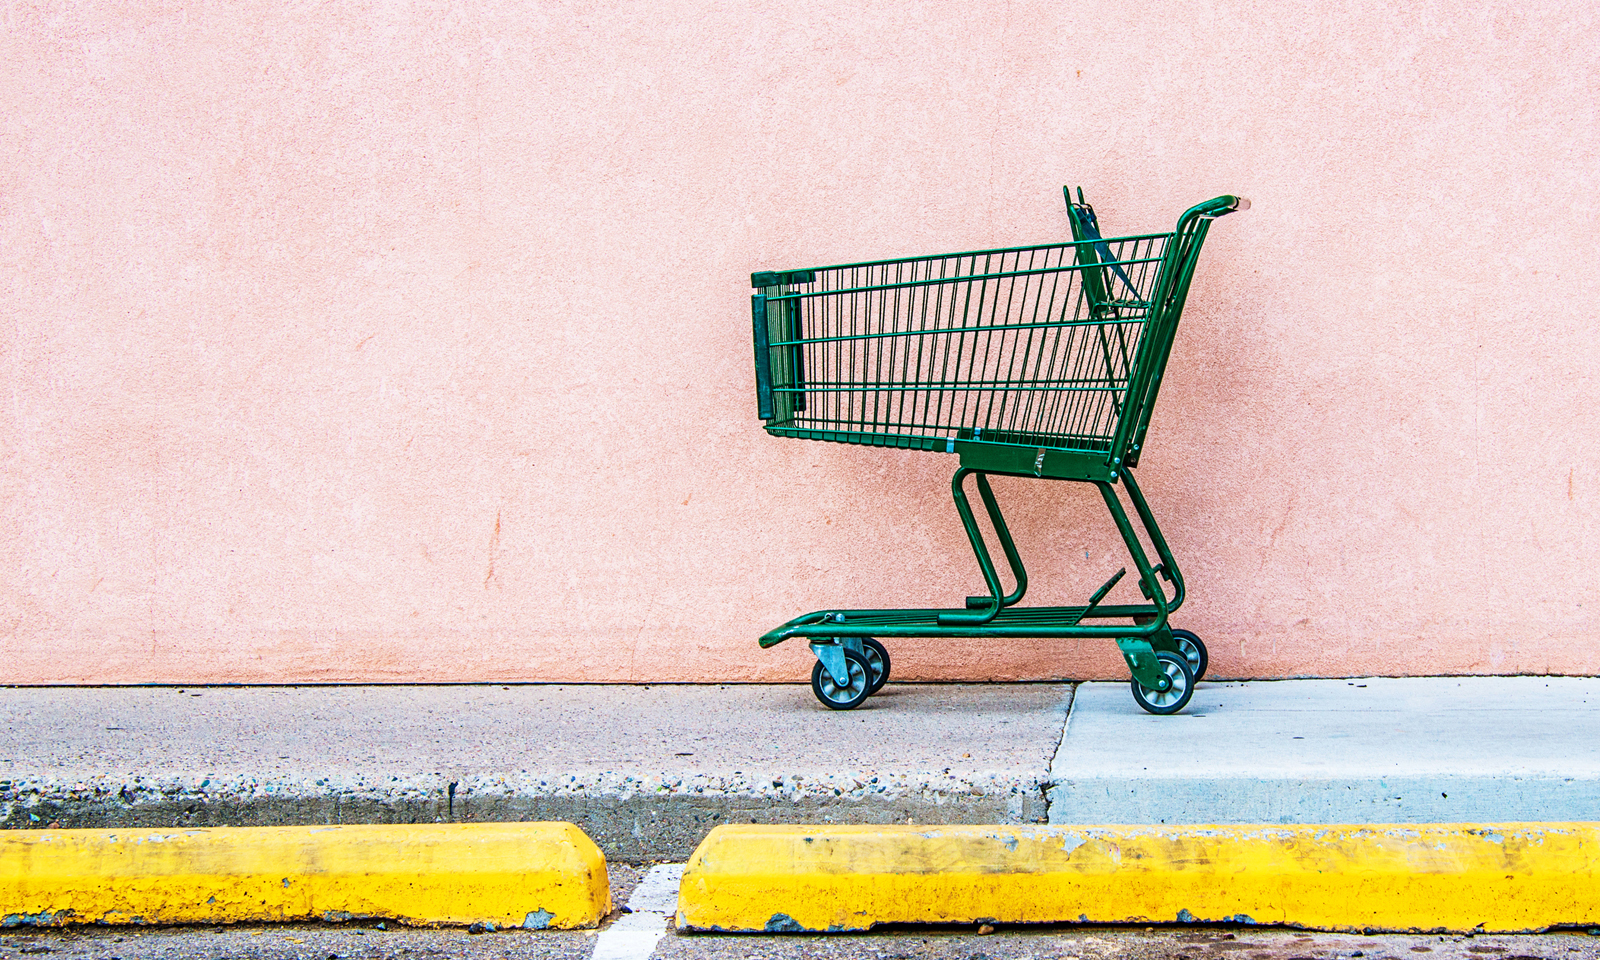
x: 1050, y: 769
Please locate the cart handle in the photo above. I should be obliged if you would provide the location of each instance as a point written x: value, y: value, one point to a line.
x: 1222, y: 206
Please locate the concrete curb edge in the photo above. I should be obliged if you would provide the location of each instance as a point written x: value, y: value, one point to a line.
x: 1390, y: 877
x: 533, y: 875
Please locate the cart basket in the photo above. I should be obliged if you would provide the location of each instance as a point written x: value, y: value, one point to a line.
x: 1057, y: 348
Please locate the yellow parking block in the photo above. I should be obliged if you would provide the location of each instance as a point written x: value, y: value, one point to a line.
x: 1431, y: 877
x: 533, y: 875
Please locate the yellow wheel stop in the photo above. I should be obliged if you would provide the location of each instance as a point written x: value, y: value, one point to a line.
x: 536, y: 875
x: 1431, y: 877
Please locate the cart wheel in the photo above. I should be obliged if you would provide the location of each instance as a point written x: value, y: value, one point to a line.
x: 878, y: 659
x: 1194, y: 651
x: 848, y: 696
x: 1173, y: 699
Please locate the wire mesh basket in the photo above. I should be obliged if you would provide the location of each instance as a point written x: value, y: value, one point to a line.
x: 1021, y: 345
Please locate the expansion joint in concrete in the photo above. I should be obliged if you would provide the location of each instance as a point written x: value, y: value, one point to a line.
x: 1047, y: 786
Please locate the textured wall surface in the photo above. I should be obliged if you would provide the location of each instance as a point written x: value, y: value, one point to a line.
x: 411, y: 341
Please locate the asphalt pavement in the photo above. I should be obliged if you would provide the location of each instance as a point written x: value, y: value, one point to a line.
x: 351, y: 942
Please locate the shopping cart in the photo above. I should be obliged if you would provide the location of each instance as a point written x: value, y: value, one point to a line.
x: 1038, y: 361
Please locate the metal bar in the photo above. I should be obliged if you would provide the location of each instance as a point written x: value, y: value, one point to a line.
x: 1159, y: 635
x: 1105, y: 588
x: 1177, y: 266
x: 1007, y: 545
x: 1066, y: 386
x: 758, y: 311
x: 968, y: 253
x: 1169, y: 312
x: 981, y: 551
x: 963, y: 278
x: 1149, y: 631
x: 797, y: 360
x: 887, y: 335
x: 1169, y: 566
x: 1011, y: 615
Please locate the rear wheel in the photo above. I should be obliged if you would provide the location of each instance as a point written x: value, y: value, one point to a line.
x: 878, y: 659
x: 1176, y: 696
x: 843, y: 696
x: 1194, y: 651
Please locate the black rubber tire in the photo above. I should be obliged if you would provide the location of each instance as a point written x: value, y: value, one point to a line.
x: 878, y: 659
x: 1173, y: 700
x: 835, y: 697
x: 1199, y: 659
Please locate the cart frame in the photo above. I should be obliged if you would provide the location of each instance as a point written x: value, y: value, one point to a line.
x: 1165, y: 668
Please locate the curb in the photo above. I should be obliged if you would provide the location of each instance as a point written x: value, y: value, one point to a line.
x: 1500, y: 878
x: 638, y: 819
x: 533, y: 875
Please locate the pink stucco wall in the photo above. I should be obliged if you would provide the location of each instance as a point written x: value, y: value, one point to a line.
x: 411, y: 341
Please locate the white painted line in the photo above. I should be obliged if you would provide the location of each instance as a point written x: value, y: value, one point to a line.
x: 653, y: 902
x: 658, y: 891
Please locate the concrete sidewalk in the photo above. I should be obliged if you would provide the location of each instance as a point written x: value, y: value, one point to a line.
x: 647, y: 771
x: 1408, y: 750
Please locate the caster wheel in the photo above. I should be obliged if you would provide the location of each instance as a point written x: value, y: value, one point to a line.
x: 848, y: 696
x: 878, y: 659
x: 1174, y: 698
x: 1194, y: 651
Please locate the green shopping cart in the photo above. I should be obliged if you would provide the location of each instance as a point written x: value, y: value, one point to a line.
x: 1039, y: 361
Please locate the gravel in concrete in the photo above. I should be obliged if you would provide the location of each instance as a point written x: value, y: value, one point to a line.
x: 1406, y: 750
x: 647, y: 771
